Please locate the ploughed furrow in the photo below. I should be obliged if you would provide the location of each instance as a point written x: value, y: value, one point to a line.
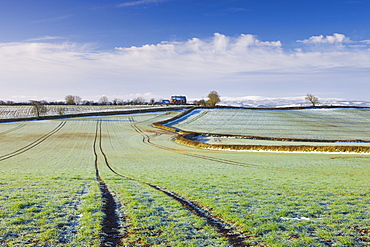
x: 12, y: 129
x: 34, y: 143
x: 231, y: 234
x: 111, y: 221
x: 146, y: 139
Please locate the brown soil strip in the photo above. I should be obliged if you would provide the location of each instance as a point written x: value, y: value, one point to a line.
x: 187, y: 139
x: 33, y: 144
x: 230, y: 162
x: 111, y: 221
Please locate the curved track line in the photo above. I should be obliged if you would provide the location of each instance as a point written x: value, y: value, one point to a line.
x: 34, y: 143
x: 231, y: 234
x: 12, y: 129
x: 146, y: 139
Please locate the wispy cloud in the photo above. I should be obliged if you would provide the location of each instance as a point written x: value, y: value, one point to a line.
x: 366, y: 41
x: 139, y: 2
x: 45, y: 38
x: 53, y: 19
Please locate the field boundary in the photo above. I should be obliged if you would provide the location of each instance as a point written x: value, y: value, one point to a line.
x: 94, y: 114
x: 187, y: 137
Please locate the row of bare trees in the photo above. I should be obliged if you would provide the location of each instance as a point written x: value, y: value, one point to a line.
x: 76, y: 100
x: 39, y: 108
x: 213, y: 99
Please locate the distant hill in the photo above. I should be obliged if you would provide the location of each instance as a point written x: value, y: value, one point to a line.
x: 260, y: 102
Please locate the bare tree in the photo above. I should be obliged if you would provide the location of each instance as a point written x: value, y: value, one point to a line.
x: 72, y: 99
x: 38, y: 109
x: 312, y: 99
x: 201, y: 102
x: 213, y: 98
x: 104, y: 100
x: 77, y: 99
x: 138, y: 101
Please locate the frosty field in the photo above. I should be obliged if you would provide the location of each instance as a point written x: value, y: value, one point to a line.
x: 324, y: 124
x: 53, y: 175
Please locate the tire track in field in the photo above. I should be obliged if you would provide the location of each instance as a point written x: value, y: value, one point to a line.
x: 34, y: 143
x: 111, y: 220
x: 12, y: 129
x: 230, y: 233
x: 146, y: 140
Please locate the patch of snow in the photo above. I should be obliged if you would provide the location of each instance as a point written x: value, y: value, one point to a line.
x: 260, y: 102
x: 296, y: 218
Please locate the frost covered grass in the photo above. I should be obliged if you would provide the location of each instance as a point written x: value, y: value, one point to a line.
x: 25, y: 111
x: 323, y: 124
x: 51, y: 210
x: 267, y: 192
x: 154, y: 219
x: 49, y: 195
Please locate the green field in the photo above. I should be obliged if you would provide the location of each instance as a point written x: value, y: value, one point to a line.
x: 27, y: 111
x: 324, y: 124
x: 53, y: 175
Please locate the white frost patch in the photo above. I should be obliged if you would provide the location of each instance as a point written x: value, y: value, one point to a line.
x: 288, y: 152
x: 296, y: 218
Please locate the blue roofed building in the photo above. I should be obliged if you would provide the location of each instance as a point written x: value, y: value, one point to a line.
x: 178, y: 100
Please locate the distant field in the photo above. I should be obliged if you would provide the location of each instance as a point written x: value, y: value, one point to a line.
x: 323, y: 124
x: 25, y: 111
x: 54, y: 174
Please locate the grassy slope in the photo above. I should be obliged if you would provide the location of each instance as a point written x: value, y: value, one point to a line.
x: 265, y: 195
x: 325, y: 124
x: 48, y: 192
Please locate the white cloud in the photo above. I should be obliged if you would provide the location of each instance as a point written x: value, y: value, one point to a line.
x: 334, y: 39
x: 235, y: 66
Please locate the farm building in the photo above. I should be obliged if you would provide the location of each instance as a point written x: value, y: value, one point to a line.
x: 178, y: 100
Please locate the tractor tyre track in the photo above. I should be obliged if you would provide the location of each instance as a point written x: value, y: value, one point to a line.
x: 34, y: 143
x: 146, y: 140
x: 111, y: 220
x: 231, y: 234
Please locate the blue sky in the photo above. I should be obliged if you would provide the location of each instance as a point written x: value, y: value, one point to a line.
x: 157, y: 48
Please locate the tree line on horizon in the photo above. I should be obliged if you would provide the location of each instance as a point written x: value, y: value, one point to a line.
x: 213, y: 96
x: 213, y: 99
